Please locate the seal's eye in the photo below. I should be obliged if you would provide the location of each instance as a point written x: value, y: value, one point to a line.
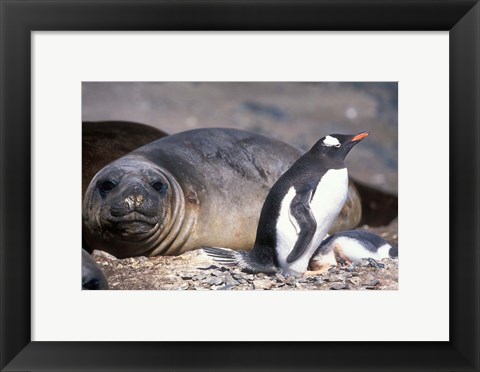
x: 106, y: 186
x: 159, y: 186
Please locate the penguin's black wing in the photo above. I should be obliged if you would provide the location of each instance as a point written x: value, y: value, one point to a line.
x: 303, y: 215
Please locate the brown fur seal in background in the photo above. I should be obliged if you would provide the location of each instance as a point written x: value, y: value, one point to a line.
x: 199, y: 187
x: 106, y: 141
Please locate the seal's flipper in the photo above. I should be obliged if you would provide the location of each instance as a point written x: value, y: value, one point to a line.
x: 303, y: 215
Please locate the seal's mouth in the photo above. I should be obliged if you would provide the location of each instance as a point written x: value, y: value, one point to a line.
x: 132, y: 225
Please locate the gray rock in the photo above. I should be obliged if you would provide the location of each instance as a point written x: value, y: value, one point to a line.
x: 291, y: 280
x: 354, y: 281
x: 186, y: 276
x: 218, y: 273
x: 199, y: 276
x: 230, y: 281
x: 214, y: 281
x: 337, y: 286
x: 226, y: 287
x: 103, y: 255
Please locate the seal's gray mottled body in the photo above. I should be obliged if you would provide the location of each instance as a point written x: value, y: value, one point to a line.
x: 200, y: 187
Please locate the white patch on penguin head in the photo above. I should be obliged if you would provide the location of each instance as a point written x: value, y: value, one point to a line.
x: 331, y: 141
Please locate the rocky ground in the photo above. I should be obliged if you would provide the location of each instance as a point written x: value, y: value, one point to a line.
x: 197, y: 271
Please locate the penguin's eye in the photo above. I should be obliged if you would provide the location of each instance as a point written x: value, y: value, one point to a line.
x: 159, y: 186
x: 106, y: 186
x: 338, y: 145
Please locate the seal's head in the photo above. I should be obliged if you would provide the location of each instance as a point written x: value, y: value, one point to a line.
x: 129, y: 207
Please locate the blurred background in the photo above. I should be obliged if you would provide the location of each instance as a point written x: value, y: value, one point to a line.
x: 297, y: 113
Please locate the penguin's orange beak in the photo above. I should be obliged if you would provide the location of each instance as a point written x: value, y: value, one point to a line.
x: 360, y: 136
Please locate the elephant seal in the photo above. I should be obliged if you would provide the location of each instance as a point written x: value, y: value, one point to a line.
x: 92, y: 276
x: 195, y: 188
x: 106, y: 141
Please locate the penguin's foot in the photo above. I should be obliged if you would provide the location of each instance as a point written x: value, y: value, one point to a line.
x: 319, y: 270
x: 342, y: 259
x: 241, y: 259
x: 223, y: 256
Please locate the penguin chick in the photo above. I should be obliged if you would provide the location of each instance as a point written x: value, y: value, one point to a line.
x: 348, y: 247
x: 298, y: 211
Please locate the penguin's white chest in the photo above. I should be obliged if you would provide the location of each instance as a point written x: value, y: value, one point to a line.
x: 327, y: 202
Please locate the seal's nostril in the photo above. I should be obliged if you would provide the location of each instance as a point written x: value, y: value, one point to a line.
x: 134, y: 201
x: 130, y: 201
x: 139, y: 200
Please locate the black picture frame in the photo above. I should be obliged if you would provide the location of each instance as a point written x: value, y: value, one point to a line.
x: 19, y: 18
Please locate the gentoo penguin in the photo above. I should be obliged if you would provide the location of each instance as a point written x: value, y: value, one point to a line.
x: 298, y: 211
x: 350, y: 246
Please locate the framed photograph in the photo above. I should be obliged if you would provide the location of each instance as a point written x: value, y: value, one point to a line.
x: 159, y: 219
x: 282, y: 62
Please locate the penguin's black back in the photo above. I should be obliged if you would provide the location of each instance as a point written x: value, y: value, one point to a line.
x: 306, y: 171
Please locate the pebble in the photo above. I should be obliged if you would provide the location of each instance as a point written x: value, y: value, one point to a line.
x: 337, y: 286
x: 262, y: 284
x: 355, y: 281
x: 186, y: 276
x: 291, y: 280
x: 199, y: 276
x: 214, y: 281
x: 372, y: 263
x: 226, y: 287
x: 230, y: 281
x: 102, y: 254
